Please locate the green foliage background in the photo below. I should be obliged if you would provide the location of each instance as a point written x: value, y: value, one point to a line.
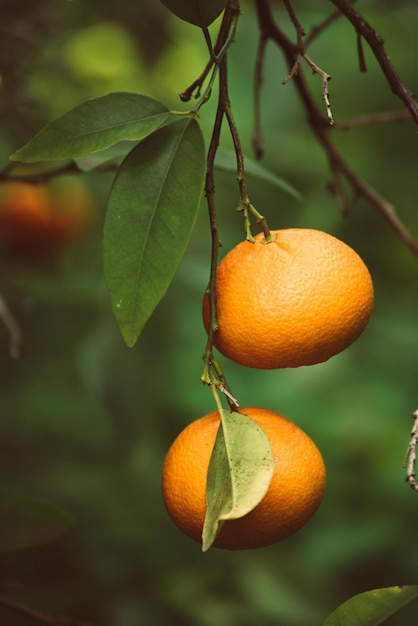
x: 85, y: 422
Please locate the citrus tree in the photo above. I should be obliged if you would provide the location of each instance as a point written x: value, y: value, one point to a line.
x: 284, y: 297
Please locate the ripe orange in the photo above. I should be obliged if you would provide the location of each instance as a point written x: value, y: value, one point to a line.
x: 38, y: 221
x: 295, y: 492
x: 297, y: 300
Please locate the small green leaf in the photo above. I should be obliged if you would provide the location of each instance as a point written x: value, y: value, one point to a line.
x: 372, y: 607
x: 198, y: 12
x: 239, y: 475
x: 152, y: 209
x: 27, y: 522
x: 226, y: 161
x: 93, y: 126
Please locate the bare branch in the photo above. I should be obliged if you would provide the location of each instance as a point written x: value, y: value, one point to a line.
x: 258, y: 140
x: 374, y: 118
x: 376, y: 44
x: 38, y: 617
x: 411, y: 454
x: 300, y: 31
x: 301, y: 53
x: 293, y: 70
x: 15, y: 334
x: 360, y: 51
x: 325, y: 79
x: 320, y: 125
x: 366, y: 191
x: 317, y: 30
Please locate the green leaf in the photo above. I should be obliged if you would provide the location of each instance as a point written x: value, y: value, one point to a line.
x: 198, y: 12
x: 106, y: 158
x: 239, y: 475
x: 152, y: 209
x: 226, y: 161
x: 372, y: 607
x: 27, y: 522
x: 93, y: 126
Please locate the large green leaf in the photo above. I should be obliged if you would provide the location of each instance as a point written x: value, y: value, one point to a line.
x: 152, y: 210
x: 226, y: 161
x: 240, y: 471
x: 198, y: 12
x: 27, y: 522
x: 372, y: 607
x: 93, y: 126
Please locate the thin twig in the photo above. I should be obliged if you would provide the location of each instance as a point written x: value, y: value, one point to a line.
x: 374, y: 118
x: 360, y: 52
x: 325, y: 80
x: 210, y: 374
x: 317, y: 30
x: 411, y: 454
x: 258, y: 139
x: 366, y: 191
x: 38, y: 617
x: 376, y: 44
x: 293, y: 70
x: 337, y: 189
x: 301, y: 53
x: 300, y: 31
x: 245, y: 203
x: 15, y: 333
x: 320, y: 125
x: 195, y: 88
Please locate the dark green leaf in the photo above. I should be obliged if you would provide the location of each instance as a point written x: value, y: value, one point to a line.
x: 198, y: 12
x: 27, y: 522
x: 152, y: 210
x: 372, y: 607
x: 226, y: 162
x: 240, y: 471
x: 93, y: 126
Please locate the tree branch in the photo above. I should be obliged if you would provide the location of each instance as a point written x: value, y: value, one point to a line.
x: 374, y: 118
x: 15, y: 333
x: 258, y: 139
x: 376, y: 44
x: 411, y: 454
x: 320, y: 127
x: 38, y: 617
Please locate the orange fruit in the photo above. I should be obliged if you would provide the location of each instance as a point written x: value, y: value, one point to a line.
x: 38, y: 221
x: 295, y: 492
x: 298, y: 300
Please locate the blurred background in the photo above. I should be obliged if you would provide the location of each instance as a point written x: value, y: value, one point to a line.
x: 85, y: 422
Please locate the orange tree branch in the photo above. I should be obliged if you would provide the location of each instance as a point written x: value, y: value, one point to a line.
x: 258, y: 139
x: 212, y: 373
x: 376, y: 44
x: 320, y: 127
x: 382, y: 117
